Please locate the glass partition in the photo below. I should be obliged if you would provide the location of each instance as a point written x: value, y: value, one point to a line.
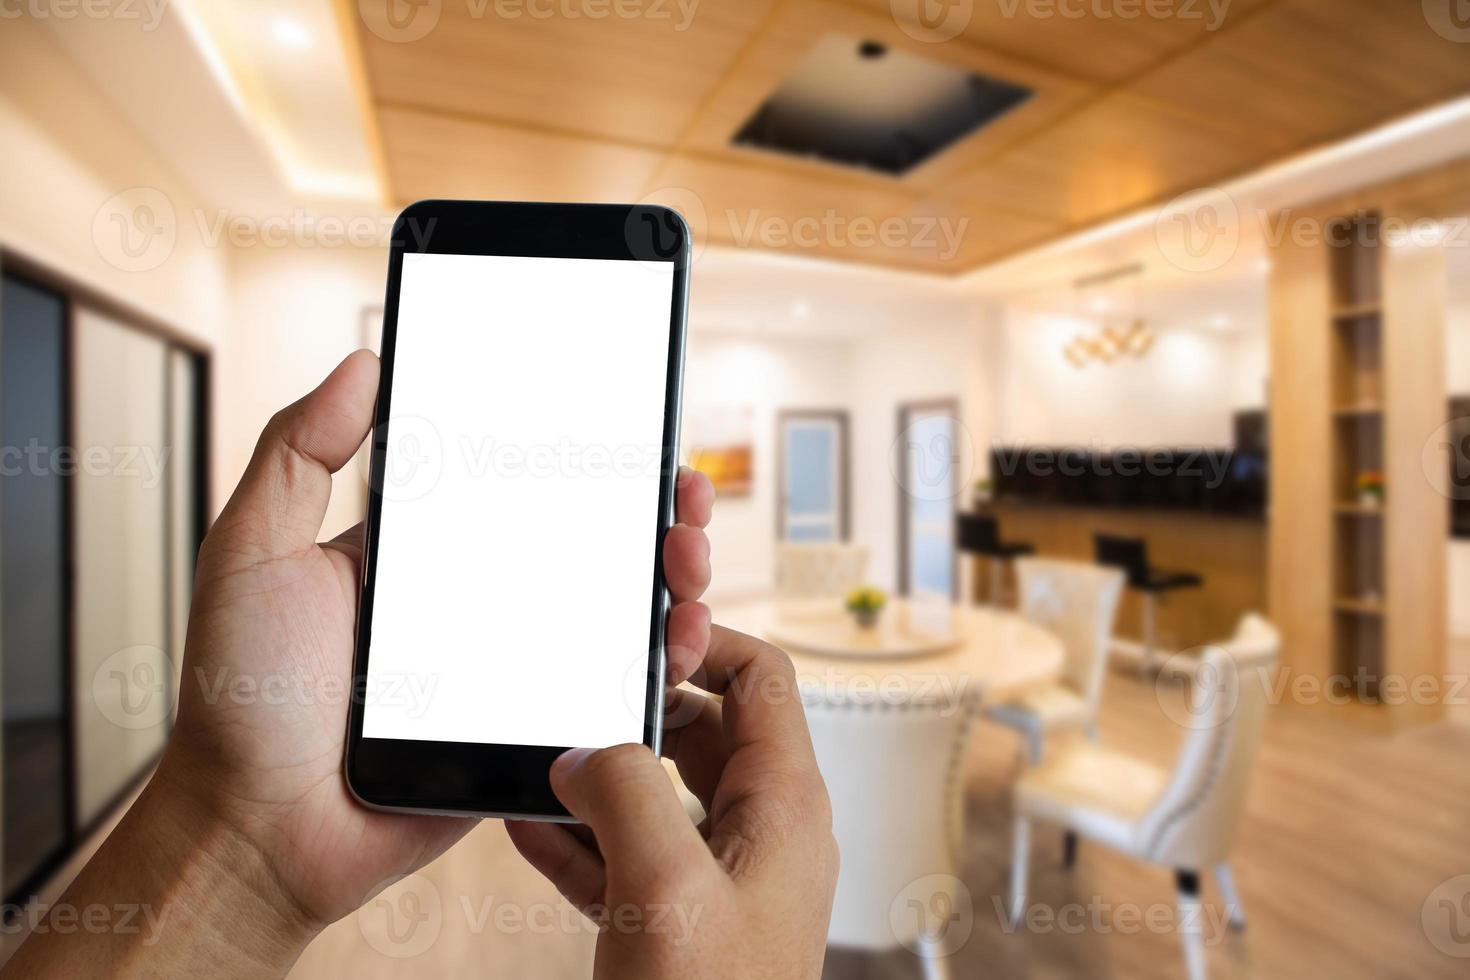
x: 122, y: 586
x: 33, y: 668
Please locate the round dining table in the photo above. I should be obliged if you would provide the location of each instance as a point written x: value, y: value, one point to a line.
x: 918, y: 651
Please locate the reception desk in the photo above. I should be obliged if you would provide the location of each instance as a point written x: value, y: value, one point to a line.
x: 1228, y: 551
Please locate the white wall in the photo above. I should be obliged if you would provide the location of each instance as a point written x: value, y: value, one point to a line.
x: 294, y: 313
x: 766, y: 375
x: 1183, y: 392
x: 65, y: 154
x: 1457, y: 349
x: 1249, y: 360
x: 1012, y: 386
x: 277, y: 319
x: 952, y: 360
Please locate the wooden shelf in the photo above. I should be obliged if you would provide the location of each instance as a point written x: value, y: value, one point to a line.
x: 1356, y: 394
x: 1357, y: 369
x: 1356, y: 312
x: 1358, y: 607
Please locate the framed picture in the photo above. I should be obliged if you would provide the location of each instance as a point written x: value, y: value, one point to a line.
x: 721, y: 444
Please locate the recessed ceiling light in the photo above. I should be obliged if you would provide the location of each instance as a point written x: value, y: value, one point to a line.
x: 1263, y: 266
x: 1102, y: 305
x: 290, y: 33
x: 801, y: 310
x: 1220, y: 321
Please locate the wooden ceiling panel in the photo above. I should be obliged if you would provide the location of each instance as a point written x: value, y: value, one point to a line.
x: 739, y: 205
x: 797, y: 26
x: 446, y: 156
x: 635, y: 79
x: 1312, y: 70
x: 1118, y: 153
x: 987, y: 232
x: 1105, y: 41
x: 1127, y: 112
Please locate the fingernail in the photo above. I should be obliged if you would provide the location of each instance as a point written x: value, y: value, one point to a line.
x: 570, y: 759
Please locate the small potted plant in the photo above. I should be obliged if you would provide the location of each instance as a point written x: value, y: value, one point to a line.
x: 1370, y: 488
x: 982, y: 491
x: 865, y: 604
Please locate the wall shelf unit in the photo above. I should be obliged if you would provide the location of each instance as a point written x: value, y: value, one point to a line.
x: 1356, y: 386
x: 1358, y: 331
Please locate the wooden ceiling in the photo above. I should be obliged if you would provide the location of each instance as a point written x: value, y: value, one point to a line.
x: 1127, y: 112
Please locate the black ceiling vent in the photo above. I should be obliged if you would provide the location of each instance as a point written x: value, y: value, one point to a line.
x: 860, y: 104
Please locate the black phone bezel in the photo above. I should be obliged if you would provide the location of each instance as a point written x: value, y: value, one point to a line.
x: 483, y: 778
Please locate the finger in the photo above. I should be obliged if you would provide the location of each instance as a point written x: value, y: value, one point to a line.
x: 764, y: 726
x: 345, y: 553
x: 278, y: 507
x: 697, y: 743
x: 574, y: 868
x: 349, y: 542
x: 694, y: 498
x: 624, y: 794
x: 686, y: 562
x: 687, y: 639
x: 761, y: 700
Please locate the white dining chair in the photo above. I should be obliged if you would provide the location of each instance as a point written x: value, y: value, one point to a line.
x: 1184, y: 819
x: 1076, y: 602
x: 812, y: 570
x: 894, y: 769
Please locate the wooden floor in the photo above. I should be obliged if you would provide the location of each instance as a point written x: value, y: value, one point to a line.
x: 1347, y: 832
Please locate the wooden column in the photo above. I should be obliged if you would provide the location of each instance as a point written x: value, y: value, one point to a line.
x: 1417, y: 515
x: 1300, y: 515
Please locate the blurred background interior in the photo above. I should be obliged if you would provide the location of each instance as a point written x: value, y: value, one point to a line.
x: 1123, y: 348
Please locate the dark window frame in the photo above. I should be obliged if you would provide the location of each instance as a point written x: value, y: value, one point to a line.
x: 76, y: 295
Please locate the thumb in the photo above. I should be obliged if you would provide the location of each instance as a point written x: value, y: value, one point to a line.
x: 278, y: 507
x: 626, y: 797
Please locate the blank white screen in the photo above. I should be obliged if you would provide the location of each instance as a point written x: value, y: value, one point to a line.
x: 515, y: 554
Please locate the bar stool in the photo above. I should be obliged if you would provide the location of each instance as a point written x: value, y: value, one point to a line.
x: 1154, y: 584
x: 979, y: 534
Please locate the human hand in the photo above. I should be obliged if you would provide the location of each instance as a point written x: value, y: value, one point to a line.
x: 248, y: 824
x: 746, y: 894
x: 271, y: 602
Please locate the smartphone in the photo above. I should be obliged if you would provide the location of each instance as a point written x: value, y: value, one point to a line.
x: 521, y: 481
